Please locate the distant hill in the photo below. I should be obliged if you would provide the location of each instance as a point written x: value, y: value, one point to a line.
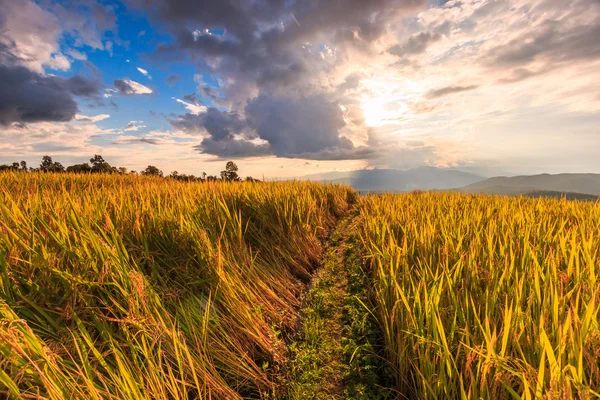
x: 560, y: 195
x: 394, y: 180
x: 562, y: 183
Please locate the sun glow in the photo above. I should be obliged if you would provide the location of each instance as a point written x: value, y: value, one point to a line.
x: 386, y: 100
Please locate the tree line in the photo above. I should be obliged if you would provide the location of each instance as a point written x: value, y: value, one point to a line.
x: 97, y: 164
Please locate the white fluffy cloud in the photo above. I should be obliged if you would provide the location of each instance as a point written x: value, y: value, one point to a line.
x: 129, y: 87
x: 95, y: 118
x: 32, y: 35
x: 145, y: 73
x: 191, y: 107
x: 133, y: 126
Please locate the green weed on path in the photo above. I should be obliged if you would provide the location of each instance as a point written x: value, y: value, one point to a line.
x: 335, y: 355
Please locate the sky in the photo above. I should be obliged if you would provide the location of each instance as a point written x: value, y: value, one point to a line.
x: 290, y: 88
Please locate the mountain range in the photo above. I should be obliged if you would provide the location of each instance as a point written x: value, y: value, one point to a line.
x: 515, y: 185
x: 432, y: 178
x: 393, y: 180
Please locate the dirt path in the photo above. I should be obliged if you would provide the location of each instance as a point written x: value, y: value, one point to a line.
x: 337, y: 353
x: 319, y: 367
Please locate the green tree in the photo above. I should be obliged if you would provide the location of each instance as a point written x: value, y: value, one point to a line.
x: 230, y: 173
x: 100, y: 165
x: 152, y: 171
x: 13, y: 167
x: 79, y: 168
x: 48, y: 165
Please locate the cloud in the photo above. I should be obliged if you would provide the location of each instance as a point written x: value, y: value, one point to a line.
x: 263, y: 46
x: 145, y: 73
x: 95, y: 118
x: 445, y: 91
x: 192, y: 98
x: 218, y: 124
x: 274, y: 125
x: 135, y: 140
x: 32, y: 35
x: 287, y: 124
x: 58, y: 138
x: 108, y: 92
x: 551, y: 43
x: 76, y: 55
x: 128, y: 87
x: 108, y: 45
x: 415, y: 44
x: 172, y: 80
x: 270, y: 66
x: 30, y: 97
x: 80, y: 86
x: 133, y: 126
x: 233, y: 148
x: 193, y: 107
x: 86, y: 21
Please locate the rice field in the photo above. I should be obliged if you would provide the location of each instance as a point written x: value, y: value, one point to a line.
x: 486, y: 297
x: 125, y: 287
x: 139, y: 287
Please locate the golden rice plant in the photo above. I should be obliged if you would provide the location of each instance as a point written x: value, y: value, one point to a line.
x: 124, y: 287
x: 486, y: 297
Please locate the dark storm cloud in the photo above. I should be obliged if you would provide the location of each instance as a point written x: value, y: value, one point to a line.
x: 415, y: 44
x: 219, y: 124
x: 266, y: 71
x: 233, y: 148
x: 229, y: 135
x: 255, y: 45
x: 210, y: 93
x: 30, y: 97
x: 288, y: 124
x: 81, y: 86
x: 286, y: 127
x: 432, y: 94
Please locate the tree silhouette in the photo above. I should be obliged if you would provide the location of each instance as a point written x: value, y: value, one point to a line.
x: 48, y: 165
x: 152, y: 171
x: 13, y: 167
x: 230, y: 173
x: 99, y: 165
x: 79, y: 168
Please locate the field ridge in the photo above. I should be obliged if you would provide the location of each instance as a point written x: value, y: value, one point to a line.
x: 338, y: 351
x: 317, y: 367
